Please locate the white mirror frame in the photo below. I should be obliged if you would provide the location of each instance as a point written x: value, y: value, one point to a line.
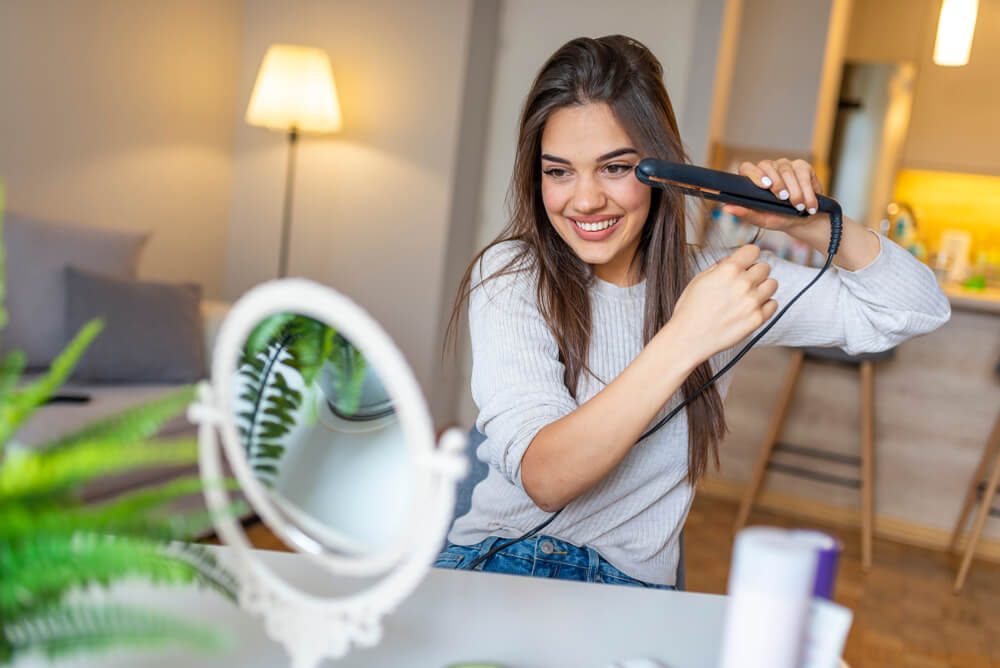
x: 313, y: 628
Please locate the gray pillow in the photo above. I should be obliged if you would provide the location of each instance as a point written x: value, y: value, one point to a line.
x: 37, y: 254
x: 152, y: 331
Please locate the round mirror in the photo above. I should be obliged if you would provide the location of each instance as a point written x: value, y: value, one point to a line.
x: 322, y: 423
x: 320, y: 433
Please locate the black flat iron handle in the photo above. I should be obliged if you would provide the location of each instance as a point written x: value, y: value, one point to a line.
x: 721, y: 187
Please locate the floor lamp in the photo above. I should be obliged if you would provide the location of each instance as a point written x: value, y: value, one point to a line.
x: 294, y: 93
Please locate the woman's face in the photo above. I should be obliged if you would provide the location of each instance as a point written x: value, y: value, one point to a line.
x: 591, y: 196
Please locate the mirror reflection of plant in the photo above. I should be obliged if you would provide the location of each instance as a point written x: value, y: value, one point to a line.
x: 52, y: 545
x: 280, y: 343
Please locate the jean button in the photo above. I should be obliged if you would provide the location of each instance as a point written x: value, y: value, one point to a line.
x: 547, y: 547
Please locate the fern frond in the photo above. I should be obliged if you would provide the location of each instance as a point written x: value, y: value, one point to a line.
x: 195, y: 524
x: 65, y: 630
x: 266, y: 472
x: 212, y: 574
x: 132, y: 424
x: 149, y: 501
x: 280, y: 415
x: 146, y: 512
x: 40, y: 569
x: 264, y: 334
x: 285, y: 391
x: 254, y: 390
x: 3, y: 270
x: 27, y: 473
x: 274, y: 422
x: 140, y: 513
x: 269, y: 404
x: 271, y: 430
x: 11, y: 369
x: 17, y: 406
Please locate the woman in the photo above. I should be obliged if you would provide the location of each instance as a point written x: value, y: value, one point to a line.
x: 591, y: 317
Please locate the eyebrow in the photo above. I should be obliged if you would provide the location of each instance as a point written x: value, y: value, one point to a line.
x: 606, y: 156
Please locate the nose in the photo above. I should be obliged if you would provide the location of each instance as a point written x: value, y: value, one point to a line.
x: 588, y: 195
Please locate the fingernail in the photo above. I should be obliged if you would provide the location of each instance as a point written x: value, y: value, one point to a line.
x: 783, y: 194
x: 766, y: 181
x: 812, y: 210
x: 800, y: 207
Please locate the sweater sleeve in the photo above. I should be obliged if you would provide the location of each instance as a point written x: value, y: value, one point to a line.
x: 517, y: 378
x: 874, y: 308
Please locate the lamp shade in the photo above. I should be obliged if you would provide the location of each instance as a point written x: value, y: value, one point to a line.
x: 954, y: 33
x: 295, y: 90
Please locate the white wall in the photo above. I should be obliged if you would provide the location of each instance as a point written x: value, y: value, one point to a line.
x: 529, y: 33
x: 713, y: 56
x: 450, y: 383
x: 372, y: 203
x: 776, y: 81
x: 119, y: 114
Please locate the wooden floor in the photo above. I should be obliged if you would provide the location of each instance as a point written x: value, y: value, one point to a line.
x: 904, y: 612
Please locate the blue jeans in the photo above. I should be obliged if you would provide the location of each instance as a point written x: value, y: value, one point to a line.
x: 540, y: 556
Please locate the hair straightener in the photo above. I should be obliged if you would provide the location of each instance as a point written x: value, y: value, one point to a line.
x: 722, y: 187
x: 728, y: 189
x: 740, y: 190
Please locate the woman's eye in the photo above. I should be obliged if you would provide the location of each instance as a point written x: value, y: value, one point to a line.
x: 618, y: 169
x: 555, y: 172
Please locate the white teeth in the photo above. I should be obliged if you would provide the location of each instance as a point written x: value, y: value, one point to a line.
x: 597, y: 227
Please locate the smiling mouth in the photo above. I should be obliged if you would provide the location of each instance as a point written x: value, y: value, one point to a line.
x: 597, y: 226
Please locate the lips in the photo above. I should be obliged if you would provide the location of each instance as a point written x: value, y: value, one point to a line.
x: 596, y: 224
x: 595, y: 228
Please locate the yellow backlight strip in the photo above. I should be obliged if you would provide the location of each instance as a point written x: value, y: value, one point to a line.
x: 951, y: 200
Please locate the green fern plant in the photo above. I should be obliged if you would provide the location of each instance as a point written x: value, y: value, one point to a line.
x: 53, y: 546
x: 280, y: 345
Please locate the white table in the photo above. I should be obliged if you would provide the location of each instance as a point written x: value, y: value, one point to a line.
x: 455, y: 616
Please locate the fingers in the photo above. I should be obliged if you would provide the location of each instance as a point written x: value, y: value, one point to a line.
x: 766, y: 290
x: 756, y: 174
x: 769, y: 309
x: 791, y: 180
x: 817, y: 186
x: 804, y: 175
x: 758, y: 273
x: 743, y: 257
x: 736, y: 210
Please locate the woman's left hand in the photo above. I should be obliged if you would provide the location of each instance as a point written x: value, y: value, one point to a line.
x: 792, y: 180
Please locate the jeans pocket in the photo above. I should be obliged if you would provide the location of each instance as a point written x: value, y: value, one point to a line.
x: 449, y: 559
x: 615, y: 580
x: 623, y: 579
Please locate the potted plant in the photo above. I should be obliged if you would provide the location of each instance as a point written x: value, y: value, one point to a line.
x: 53, y: 545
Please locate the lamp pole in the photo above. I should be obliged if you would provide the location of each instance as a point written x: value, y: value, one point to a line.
x: 294, y: 93
x: 286, y: 221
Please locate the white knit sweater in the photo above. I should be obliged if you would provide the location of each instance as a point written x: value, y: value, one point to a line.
x: 633, y: 517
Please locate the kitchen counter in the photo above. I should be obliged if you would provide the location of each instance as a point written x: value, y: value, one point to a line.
x: 986, y: 299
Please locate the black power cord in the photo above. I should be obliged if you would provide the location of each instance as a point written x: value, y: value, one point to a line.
x: 836, y: 230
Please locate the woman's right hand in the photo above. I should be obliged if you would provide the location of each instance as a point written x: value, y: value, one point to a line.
x: 723, y: 304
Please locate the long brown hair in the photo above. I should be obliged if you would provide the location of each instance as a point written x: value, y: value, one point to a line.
x: 622, y: 73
